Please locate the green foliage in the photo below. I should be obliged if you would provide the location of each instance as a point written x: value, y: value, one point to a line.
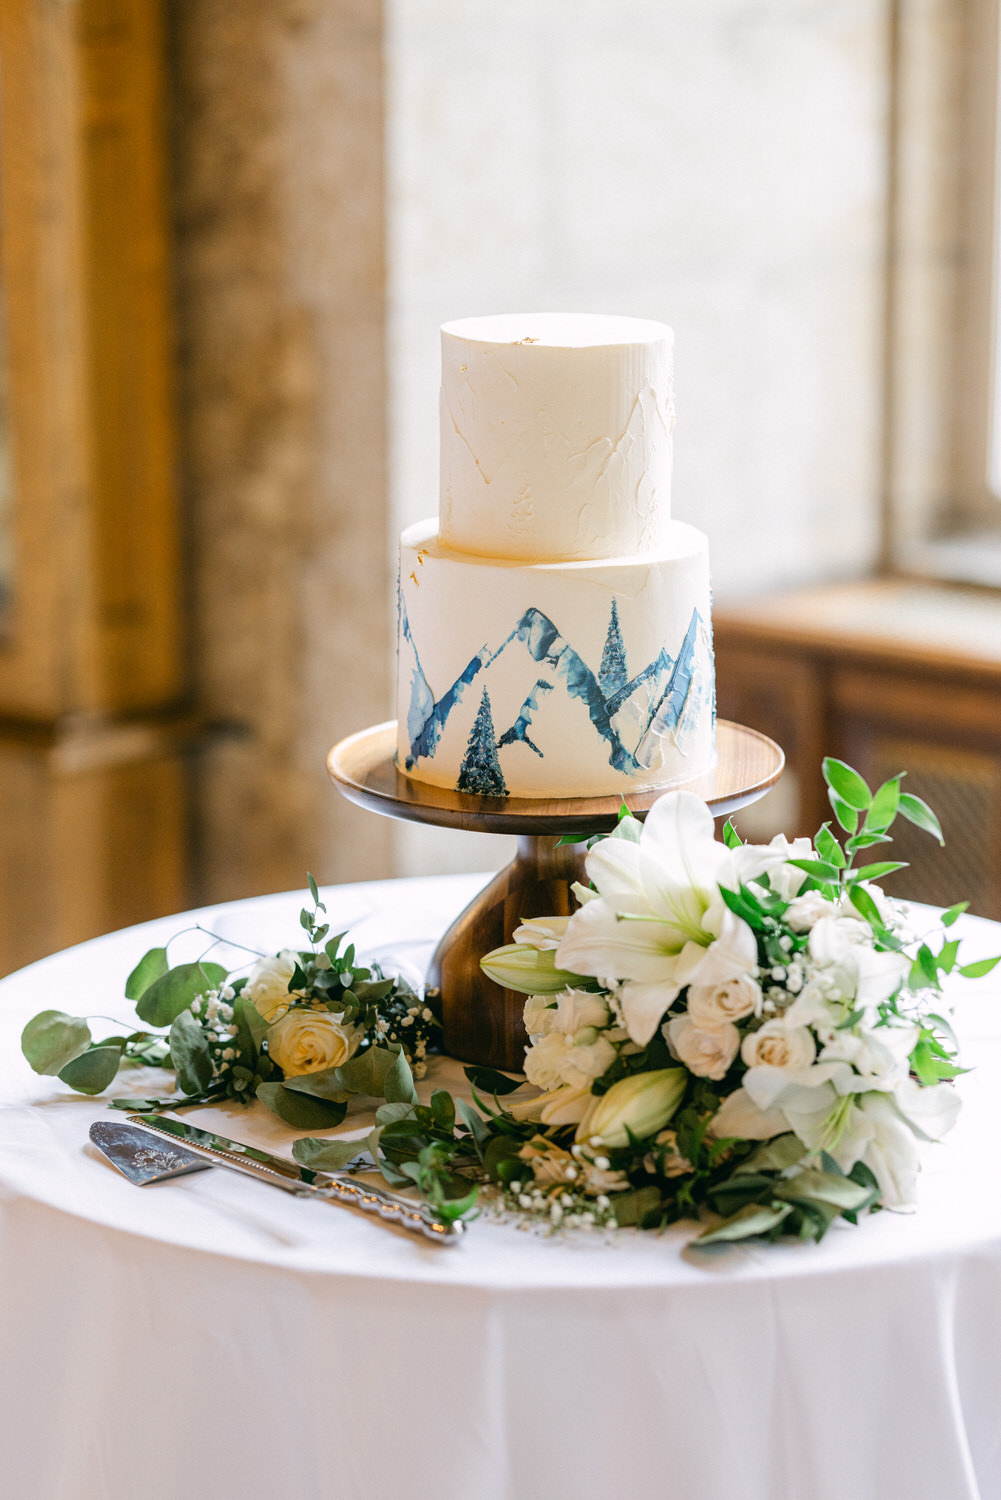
x: 162, y: 1001
x: 300, y: 1110
x: 94, y: 1069
x: 151, y: 966
x: 53, y: 1039
x: 189, y: 1053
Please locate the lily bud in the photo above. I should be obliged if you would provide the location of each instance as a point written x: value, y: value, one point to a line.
x: 639, y: 1106
x: 529, y: 970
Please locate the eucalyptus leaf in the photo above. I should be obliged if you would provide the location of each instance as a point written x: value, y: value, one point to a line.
x: 174, y: 991
x: 389, y: 1114
x: 398, y: 1084
x: 93, y: 1070
x: 327, y: 1156
x: 321, y: 1085
x: 366, y: 1072
x: 189, y: 1054
x: 633, y: 1207
x: 825, y: 1187
x: 773, y: 1156
x: 53, y: 1039
x: 751, y: 1220
x: 251, y: 1026
x: 443, y: 1110
x: 149, y: 967
x: 299, y: 1110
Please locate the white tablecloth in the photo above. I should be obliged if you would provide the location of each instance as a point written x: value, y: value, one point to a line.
x: 209, y: 1336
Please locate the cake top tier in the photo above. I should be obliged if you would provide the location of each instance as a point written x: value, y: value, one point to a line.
x: 555, y: 436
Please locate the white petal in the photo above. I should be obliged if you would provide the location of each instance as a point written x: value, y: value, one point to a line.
x: 643, y: 1007
x: 541, y: 932
x: 931, y: 1111
x: 738, y: 1115
x: 891, y: 1155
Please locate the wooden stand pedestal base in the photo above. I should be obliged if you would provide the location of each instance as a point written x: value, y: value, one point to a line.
x: 481, y: 1021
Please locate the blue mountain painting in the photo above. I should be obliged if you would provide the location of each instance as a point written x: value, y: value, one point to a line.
x: 427, y: 716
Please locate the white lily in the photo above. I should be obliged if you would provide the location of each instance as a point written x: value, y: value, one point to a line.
x: 659, y: 919
x: 752, y: 861
x: 541, y: 932
x: 739, y: 1116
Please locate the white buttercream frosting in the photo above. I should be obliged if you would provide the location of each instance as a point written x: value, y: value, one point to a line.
x: 556, y: 436
x: 597, y: 674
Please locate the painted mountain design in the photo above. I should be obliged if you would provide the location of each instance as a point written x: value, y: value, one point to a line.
x: 631, y: 715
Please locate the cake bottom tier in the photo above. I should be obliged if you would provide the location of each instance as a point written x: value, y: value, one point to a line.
x: 576, y: 679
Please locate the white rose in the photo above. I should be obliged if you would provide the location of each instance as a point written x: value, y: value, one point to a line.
x: 540, y: 1015
x: 557, y: 1058
x: 268, y: 985
x: 713, y: 1005
x: 804, y: 911
x: 776, y: 1045
x: 707, y: 1054
x: 310, y: 1041
x: 544, y: 1061
x: 577, y: 1010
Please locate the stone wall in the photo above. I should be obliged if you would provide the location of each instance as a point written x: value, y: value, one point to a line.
x: 278, y: 184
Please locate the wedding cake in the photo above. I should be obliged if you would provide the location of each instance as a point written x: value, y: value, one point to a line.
x: 554, y: 625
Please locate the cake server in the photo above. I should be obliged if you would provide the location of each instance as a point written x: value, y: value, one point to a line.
x: 191, y: 1149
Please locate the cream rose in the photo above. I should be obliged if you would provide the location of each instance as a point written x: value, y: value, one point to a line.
x: 309, y: 1041
x: 803, y: 912
x: 557, y: 1058
x: 268, y: 985
x: 707, y: 1054
x: 713, y: 1005
x: 776, y: 1045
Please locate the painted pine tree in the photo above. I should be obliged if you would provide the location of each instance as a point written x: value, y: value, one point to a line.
x: 480, y: 772
x: 613, y: 674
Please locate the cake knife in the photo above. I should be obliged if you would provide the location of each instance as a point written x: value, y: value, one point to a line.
x: 302, y: 1181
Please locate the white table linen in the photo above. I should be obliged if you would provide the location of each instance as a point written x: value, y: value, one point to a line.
x: 208, y: 1336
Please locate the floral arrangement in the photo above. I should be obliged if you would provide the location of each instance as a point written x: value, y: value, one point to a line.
x: 302, y: 1031
x: 755, y: 1031
x: 751, y: 1029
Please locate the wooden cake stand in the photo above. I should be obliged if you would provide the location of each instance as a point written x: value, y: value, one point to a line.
x: 480, y: 1020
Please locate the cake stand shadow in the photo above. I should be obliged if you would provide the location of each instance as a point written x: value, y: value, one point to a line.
x: 482, y: 1022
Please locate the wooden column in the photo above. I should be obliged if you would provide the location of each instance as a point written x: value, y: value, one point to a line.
x: 93, y: 726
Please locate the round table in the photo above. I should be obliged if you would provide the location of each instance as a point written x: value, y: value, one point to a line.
x: 208, y: 1336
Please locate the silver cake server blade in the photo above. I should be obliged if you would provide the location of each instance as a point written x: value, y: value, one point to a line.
x: 278, y: 1171
x: 142, y: 1157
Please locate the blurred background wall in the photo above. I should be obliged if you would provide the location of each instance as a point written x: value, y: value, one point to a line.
x: 780, y: 180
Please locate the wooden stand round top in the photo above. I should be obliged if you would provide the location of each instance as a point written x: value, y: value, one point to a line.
x: 364, y: 768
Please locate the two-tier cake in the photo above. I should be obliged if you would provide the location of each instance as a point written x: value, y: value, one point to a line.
x: 554, y: 622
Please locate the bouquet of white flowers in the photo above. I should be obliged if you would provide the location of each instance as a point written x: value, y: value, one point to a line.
x: 754, y: 1029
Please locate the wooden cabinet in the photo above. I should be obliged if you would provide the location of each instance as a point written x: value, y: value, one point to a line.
x: 890, y: 676
x: 93, y: 734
